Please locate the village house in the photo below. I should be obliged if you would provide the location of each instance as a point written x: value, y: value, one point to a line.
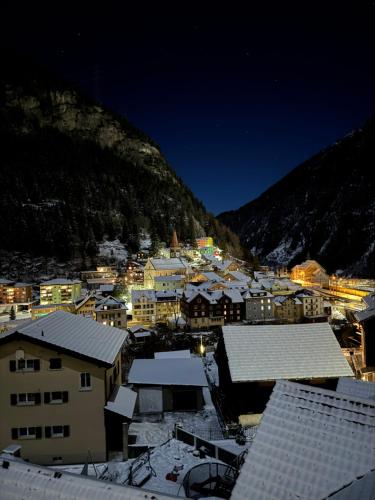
x: 133, y: 273
x: 288, y: 309
x: 167, y: 305
x: 259, y: 305
x: 312, y: 305
x: 12, y: 293
x: 252, y: 357
x: 168, y: 383
x: 366, y: 323
x: 112, y: 312
x: 203, y: 309
x: 39, y: 311
x: 312, y: 443
x: 164, y: 267
x: 60, y: 291
x: 173, y: 282
x: 105, y: 272
x: 144, y: 307
x: 60, y: 377
x: 140, y: 335
x: 311, y: 272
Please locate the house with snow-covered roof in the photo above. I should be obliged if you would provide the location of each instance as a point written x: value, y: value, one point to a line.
x: 311, y: 444
x: 111, y: 311
x: 168, y: 383
x: 252, y: 357
x: 50, y: 369
x: 164, y: 267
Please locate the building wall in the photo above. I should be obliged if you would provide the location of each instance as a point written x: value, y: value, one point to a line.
x: 83, y: 412
x: 15, y: 294
x: 58, y: 294
x: 259, y: 309
x: 289, y: 312
x: 313, y: 306
x: 112, y: 317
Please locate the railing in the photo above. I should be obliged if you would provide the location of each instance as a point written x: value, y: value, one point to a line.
x: 211, y: 449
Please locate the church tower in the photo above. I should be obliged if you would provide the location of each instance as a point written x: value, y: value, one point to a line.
x: 175, y: 246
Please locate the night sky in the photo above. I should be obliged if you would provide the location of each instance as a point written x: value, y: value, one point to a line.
x: 235, y: 98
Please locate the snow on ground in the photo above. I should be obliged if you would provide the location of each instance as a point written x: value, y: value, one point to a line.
x: 21, y: 316
x: 212, y: 370
x: 204, y: 424
x: 114, y: 249
x: 145, y: 241
x: 163, y: 460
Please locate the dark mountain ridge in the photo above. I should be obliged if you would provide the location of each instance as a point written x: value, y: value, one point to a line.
x: 74, y: 173
x: 324, y: 208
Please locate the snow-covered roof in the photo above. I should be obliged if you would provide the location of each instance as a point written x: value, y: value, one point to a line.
x: 175, y: 371
x: 25, y: 480
x: 280, y: 299
x: 110, y: 301
x: 138, y: 328
x: 356, y: 388
x: 239, y: 276
x: 4, y: 281
x: 60, y: 281
x: 363, y: 315
x: 148, y: 295
x: 271, y: 352
x: 174, y: 277
x: 122, y: 401
x: 311, y: 442
x: 75, y: 333
x: 106, y: 288
x: 168, y: 295
x: 142, y: 335
x: 185, y: 353
x: 223, y: 266
x: 257, y: 293
x: 369, y: 300
x: 211, y: 276
x: 175, y: 263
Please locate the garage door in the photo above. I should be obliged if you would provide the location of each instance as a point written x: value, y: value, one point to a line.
x: 151, y: 400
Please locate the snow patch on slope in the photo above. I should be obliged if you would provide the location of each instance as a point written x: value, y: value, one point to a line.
x: 285, y: 252
x: 114, y: 249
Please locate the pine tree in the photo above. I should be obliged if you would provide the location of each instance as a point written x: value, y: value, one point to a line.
x: 12, y: 314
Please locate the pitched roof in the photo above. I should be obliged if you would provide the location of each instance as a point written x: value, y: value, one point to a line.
x: 184, y: 353
x: 122, y: 401
x: 174, y: 277
x: 310, y: 443
x: 147, y: 294
x: 110, y: 301
x: 175, y: 263
x: 356, y: 388
x: 173, y: 371
x: 271, y: 352
x: 75, y: 333
x: 60, y: 281
x: 25, y: 480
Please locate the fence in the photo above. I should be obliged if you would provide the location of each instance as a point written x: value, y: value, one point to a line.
x: 212, y: 450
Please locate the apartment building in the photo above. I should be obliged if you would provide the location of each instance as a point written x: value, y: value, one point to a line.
x: 59, y: 291
x: 13, y: 293
x: 60, y: 377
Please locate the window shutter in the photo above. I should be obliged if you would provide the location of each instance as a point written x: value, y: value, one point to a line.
x: 36, y: 365
x: 14, y: 433
x: 37, y: 396
x: 13, y: 399
x: 38, y: 432
x: 47, y: 432
x: 66, y: 431
x: 65, y: 396
x: 47, y: 397
x: 12, y: 365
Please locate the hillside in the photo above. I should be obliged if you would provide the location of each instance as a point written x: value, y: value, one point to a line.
x: 74, y: 174
x: 324, y: 208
